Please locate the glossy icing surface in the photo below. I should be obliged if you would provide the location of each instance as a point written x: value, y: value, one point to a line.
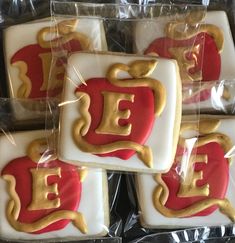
x: 163, y: 126
x: 217, y: 179
x: 37, y: 57
x: 94, y: 188
x: 155, y: 29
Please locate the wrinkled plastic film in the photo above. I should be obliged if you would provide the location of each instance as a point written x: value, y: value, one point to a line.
x: 71, y: 188
x: 13, y: 12
x: 116, y: 32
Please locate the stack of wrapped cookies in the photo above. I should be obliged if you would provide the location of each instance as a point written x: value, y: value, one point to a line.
x: 145, y: 92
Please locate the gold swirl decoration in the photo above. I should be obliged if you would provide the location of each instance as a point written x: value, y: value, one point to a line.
x: 13, y: 210
x: 187, y: 27
x: 192, y: 25
x: 14, y: 205
x: 160, y: 196
x: 36, y: 149
x: 67, y: 32
x: 26, y: 86
x: 161, y: 192
x: 139, y: 70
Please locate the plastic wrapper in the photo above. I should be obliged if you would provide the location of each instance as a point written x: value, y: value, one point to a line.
x: 204, y: 235
x: 13, y: 13
x: 120, y: 35
x: 216, y: 98
x: 16, y: 12
x: 219, y: 97
x: 129, y: 29
x: 227, y: 6
x: 76, y: 43
x: 44, y: 198
x: 197, y: 191
x: 154, y: 212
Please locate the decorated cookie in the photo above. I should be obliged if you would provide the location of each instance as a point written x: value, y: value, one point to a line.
x: 201, y: 43
x: 45, y: 198
x: 121, y: 112
x: 29, y: 59
x: 198, y: 190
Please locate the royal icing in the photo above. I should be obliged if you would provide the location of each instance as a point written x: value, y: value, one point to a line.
x: 46, y: 199
x: 196, y: 49
x: 199, y: 184
x: 115, y: 108
x: 28, y: 60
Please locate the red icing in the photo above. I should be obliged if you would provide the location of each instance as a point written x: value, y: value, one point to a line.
x: 215, y: 173
x: 208, y: 58
x: 30, y: 55
x: 69, y: 188
x: 141, y: 118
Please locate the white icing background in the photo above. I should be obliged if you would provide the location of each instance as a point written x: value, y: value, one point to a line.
x: 155, y: 29
x: 146, y: 185
x: 93, y: 28
x: 161, y: 138
x: 94, y: 197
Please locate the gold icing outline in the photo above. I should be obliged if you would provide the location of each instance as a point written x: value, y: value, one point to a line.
x: 139, y: 70
x: 68, y: 32
x: 34, y: 151
x: 26, y: 86
x: 13, y: 209
x: 192, y: 20
x: 207, y: 127
x: 187, y: 27
x: 81, y: 127
x: 14, y: 204
x: 161, y: 192
x: 160, y: 196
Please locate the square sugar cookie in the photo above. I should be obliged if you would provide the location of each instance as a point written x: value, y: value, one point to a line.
x: 199, y: 188
x: 120, y: 112
x: 48, y: 199
x: 204, y: 51
x: 161, y: 36
x: 28, y: 59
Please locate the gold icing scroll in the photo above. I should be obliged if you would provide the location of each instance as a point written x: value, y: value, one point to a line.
x: 36, y: 151
x: 193, y: 25
x: 13, y: 210
x: 207, y: 127
x: 160, y: 195
x: 26, y: 86
x: 139, y: 70
x: 40, y: 190
x: 67, y: 32
x: 180, y: 54
x: 81, y: 127
x: 186, y: 28
x: 188, y: 187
